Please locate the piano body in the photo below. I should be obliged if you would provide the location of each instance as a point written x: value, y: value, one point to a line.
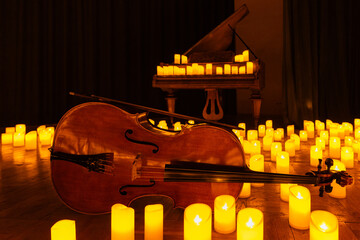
x: 211, y: 53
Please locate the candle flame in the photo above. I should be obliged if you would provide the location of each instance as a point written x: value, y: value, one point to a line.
x: 324, y: 227
x: 336, y: 168
x: 197, y: 220
x: 299, y: 196
x: 225, y: 207
x: 250, y: 223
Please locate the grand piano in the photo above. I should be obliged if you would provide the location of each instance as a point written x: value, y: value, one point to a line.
x: 209, y: 65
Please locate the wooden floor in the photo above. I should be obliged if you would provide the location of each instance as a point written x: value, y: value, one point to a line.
x: 29, y: 206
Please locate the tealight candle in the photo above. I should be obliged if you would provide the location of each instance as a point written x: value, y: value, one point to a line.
x: 219, y: 70
x: 227, y: 69
x: 249, y: 67
x: 63, y: 230
x: 197, y: 222
x: 276, y: 147
x: 334, y: 147
x: 323, y: 225
x: 325, y: 135
x: 282, y: 162
x: 20, y: 128
x: 154, y: 216
x: 284, y: 191
x: 245, y: 190
x: 224, y: 214
x: 290, y: 129
x: 261, y: 130
x: 250, y: 224
x: 255, y: 147
x: 31, y: 140
x: 269, y: 124
x: 297, y: 140
x: 7, y: 138
x: 347, y: 157
x: 245, y: 55
x: 256, y: 163
x: 18, y: 139
x: 252, y: 135
x: 122, y: 222
x: 290, y: 147
x: 315, y: 155
x: 242, y: 70
x: 267, y: 141
x: 337, y: 191
x: 303, y: 135
x: 299, y: 207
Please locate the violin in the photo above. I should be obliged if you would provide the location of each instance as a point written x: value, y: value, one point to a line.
x: 102, y: 155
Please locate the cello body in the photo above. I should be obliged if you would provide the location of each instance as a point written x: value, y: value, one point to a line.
x: 95, y: 128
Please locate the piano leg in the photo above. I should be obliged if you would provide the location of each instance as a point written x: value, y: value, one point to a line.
x: 256, y: 100
x: 170, y: 99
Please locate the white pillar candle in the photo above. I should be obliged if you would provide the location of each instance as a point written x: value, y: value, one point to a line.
x: 261, y: 130
x: 189, y: 70
x: 159, y: 71
x: 290, y: 147
x: 299, y: 207
x: 348, y: 141
x: 195, y: 68
x: 45, y: 137
x: 325, y: 135
x: 235, y: 70
x: 31, y: 140
x: 242, y: 70
x: 269, y: 124
x: 249, y: 67
x: 357, y: 133
x: 277, y: 135
x: 7, y: 138
x: 282, y: 162
x: 303, y: 135
x: 219, y: 70
x: 197, y: 222
x: 267, y: 141
x: 334, y: 147
x: 297, y: 140
x: 255, y: 147
x: 256, y: 163
x: 243, y: 126
x: 20, y: 128
x: 154, y: 218
x: 320, y: 142
x: 184, y: 59
x: 224, y: 214
x: 63, y: 230
x: 356, y: 123
x: 347, y: 157
x: 290, y: 129
x: 250, y: 224
x: 252, y: 135
x: 245, y: 55
x: 177, y: 58
x: 245, y: 190
x: 122, y: 222
x: 323, y: 225
x: 227, y: 69
x: 276, y: 147
x: 320, y: 127
x: 269, y: 132
x: 315, y: 155
x: 18, y: 139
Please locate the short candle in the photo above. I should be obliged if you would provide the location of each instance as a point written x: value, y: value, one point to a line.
x: 250, y: 224
x: 261, y: 130
x: 284, y: 191
x: 63, y: 230
x: 31, y: 140
x: 303, y: 135
x: 6, y: 138
x: 323, y: 225
x: 269, y: 124
x: 197, y: 222
x: 255, y: 147
x: 18, y: 139
x: 224, y: 214
x: 252, y: 135
x: 290, y: 129
x: 267, y: 141
x: 256, y: 163
x: 20, y: 128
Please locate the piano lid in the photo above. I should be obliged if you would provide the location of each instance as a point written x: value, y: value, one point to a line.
x: 221, y: 37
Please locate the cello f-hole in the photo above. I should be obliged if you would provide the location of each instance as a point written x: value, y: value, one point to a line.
x: 122, y: 192
x: 129, y: 132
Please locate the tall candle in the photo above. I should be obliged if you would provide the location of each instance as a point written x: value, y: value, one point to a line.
x: 256, y: 163
x: 224, y: 214
x: 320, y: 142
x: 176, y: 58
x: 245, y: 190
x: 184, y: 59
x: 276, y: 147
x: 310, y: 131
x: 299, y: 207
x: 356, y: 123
x: 281, y: 130
x: 45, y: 137
x: 320, y: 127
x: 18, y: 139
x: 31, y: 140
x: 337, y: 191
x: 341, y: 131
x: 347, y: 157
x: 252, y: 135
x: 277, y: 135
x: 296, y: 140
x: 201, y: 70
x: 334, y: 147
x: 323, y: 225
x: 122, y: 222
x: 6, y: 138
x: 154, y: 218
x: 242, y: 70
x: 303, y: 135
x: 227, y: 69
x: 255, y: 147
x: 245, y: 55
x: 290, y: 147
x: 261, y: 130
x: 219, y: 70
x: 250, y: 224
x: 249, y: 67
x: 282, y: 162
x: 63, y: 230
x: 243, y: 126
x: 357, y: 133
x: 9, y: 129
x: 290, y: 129
x: 197, y: 222
x: 267, y: 141
x: 247, y: 146
x: 234, y: 70
x: 315, y: 155
x: 195, y: 70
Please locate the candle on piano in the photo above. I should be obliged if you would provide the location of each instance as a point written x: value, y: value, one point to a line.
x: 315, y: 155
x: 154, y: 215
x: 323, y: 225
x: 6, y: 138
x: 160, y: 71
x: 250, y: 224
x: 184, y: 59
x: 242, y: 70
x: 63, y: 230
x: 224, y: 214
x: 245, y: 55
x: 219, y: 70
x: 234, y: 70
x: 201, y: 70
x: 197, y: 222
x: 176, y: 58
x: 182, y: 71
x: 176, y: 70
x: 209, y: 68
x: 195, y: 68
x: 249, y: 67
x: 227, y: 69
x: 239, y: 58
x: 189, y: 70
x: 122, y: 222
x: 299, y: 207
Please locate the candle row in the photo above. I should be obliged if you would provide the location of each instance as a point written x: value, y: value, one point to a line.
x: 205, y: 69
x: 18, y: 137
x: 182, y: 59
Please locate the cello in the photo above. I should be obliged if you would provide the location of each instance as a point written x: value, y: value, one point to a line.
x: 102, y: 155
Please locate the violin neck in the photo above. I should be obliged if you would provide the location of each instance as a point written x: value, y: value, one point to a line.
x: 181, y: 171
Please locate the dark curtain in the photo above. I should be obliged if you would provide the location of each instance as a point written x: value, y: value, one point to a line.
x: 105, y: 47
x: 321, y: 60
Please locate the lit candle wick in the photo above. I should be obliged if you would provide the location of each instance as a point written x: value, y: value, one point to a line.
x: 299, y: 196
x: 250, y: 223
x: 197, y: 220
x: 225, y: 207
x: 323, y: 227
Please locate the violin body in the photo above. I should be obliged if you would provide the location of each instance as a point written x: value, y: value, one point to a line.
x: 95, y: 128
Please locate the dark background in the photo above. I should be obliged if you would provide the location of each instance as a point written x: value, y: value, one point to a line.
x: 111, y: 48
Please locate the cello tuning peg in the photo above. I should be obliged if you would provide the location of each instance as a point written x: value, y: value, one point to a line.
x: 329, y: 162
x: 321, y: 191
x: 319, y: 166
x: 328, y: 188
